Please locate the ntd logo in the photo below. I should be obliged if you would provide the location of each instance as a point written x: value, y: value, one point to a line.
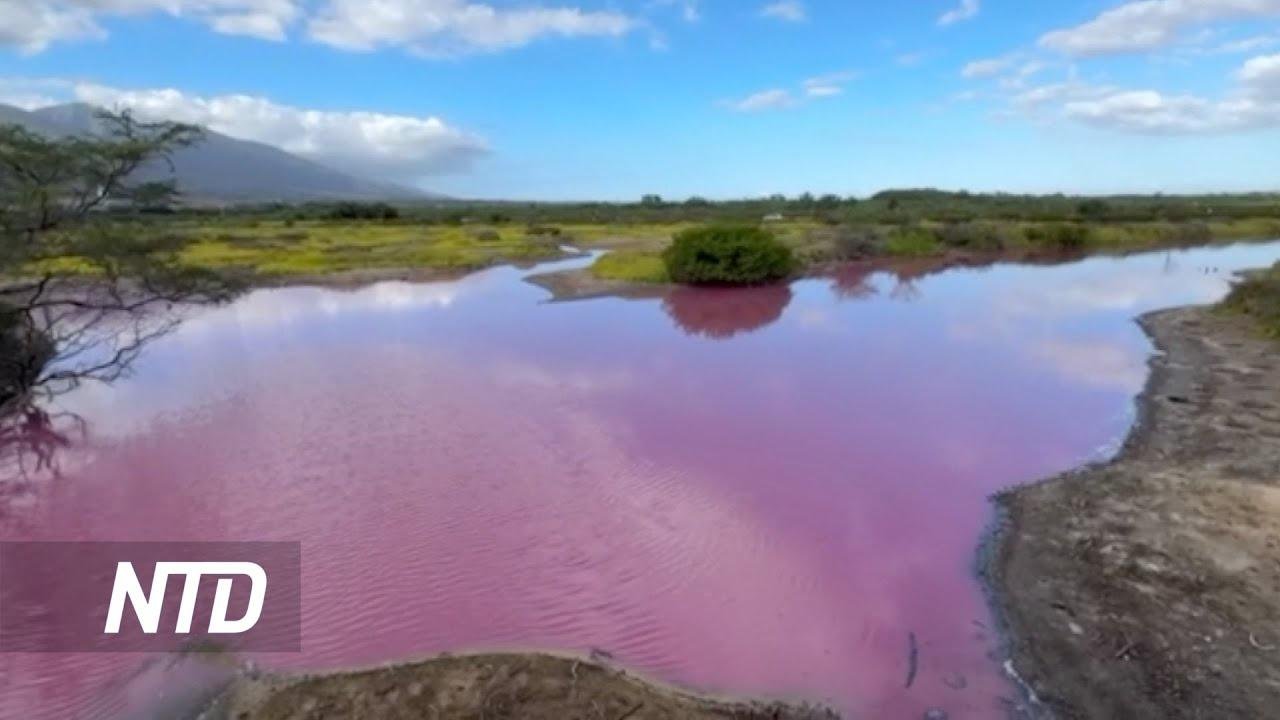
x: 150, y: 596
x: 148, y: 607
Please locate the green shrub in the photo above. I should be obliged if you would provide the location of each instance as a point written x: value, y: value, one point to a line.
x: 1060, y: 236
x: 727, y: 255
x: 972, y: 236
x: 1093, y: 209
x: 1258, y: 295
x: 1191, y: 233
x: 363, y: 211
x: 913, y: 242
x: 853, y: 243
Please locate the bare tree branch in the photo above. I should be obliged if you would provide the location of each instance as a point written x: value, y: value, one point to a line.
x: 84, y: 287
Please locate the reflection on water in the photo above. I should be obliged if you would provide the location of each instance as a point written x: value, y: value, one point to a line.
x: 721, y: 313
x: 468, y: 466
x: 32, y: 441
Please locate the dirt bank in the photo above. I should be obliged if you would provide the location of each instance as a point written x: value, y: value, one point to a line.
x: 527, y: 686
x: 580, y: 284
x: 1149, y: 587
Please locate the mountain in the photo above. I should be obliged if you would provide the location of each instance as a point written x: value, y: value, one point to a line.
x: 222, y: 169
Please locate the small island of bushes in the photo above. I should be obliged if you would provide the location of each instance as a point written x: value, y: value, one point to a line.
x: 728, y: 255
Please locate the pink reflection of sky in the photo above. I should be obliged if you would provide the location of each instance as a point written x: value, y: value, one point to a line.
x: 773, y: 513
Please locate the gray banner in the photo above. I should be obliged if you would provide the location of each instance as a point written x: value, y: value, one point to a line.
x: 150, y: 597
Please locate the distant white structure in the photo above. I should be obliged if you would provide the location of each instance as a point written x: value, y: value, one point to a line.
x: 774, y: 217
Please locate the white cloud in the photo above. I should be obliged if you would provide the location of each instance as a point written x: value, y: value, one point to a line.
x: 1149, y: 24
x: 690, y: 10
x: 819, y: 91
x: 1263, y: 74
x: 265, y: 26
x: 32, y: 25
x: 398, y: 147
x: 1093, y: 363
x: 986, y: 68
x: 774, y: 99
x: 786, y: 10
x: 1145, y: 111
x: 812, y: 89
x: 453, y: 27
x: 1248, y: 44
x: 828, y: 85
x: 32, y: 93
x: 1254, y: 103
x: 967, y: 10
x: 428, y: 27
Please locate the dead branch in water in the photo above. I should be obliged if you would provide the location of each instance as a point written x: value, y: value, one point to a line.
x: 913, y: 658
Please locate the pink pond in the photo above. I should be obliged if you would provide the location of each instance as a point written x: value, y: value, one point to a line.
x: 766, y: 492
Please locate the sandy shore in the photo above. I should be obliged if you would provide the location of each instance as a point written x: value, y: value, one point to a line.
x: 496, y: 686
x: 1149, y: 586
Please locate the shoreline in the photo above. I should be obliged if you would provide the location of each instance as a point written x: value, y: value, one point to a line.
x: 580, y: 284
x: 533, y: 685
x: 1146, y: 585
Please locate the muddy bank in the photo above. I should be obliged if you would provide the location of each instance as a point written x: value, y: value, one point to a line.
x: 533, y: 686
x: 580, y: 284
x: 1150, y: 586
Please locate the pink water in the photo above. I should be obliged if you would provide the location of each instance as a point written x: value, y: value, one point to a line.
x: 762, y: 492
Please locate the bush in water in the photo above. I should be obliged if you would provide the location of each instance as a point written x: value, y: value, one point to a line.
x: 728, y: 255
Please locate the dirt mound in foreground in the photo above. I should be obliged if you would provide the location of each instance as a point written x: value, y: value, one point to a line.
x: 531, y: 686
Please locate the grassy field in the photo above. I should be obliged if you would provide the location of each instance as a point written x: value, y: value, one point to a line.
x: 283, y: 249
x: 635, y: 255
x: 277, y: 250
x: 639, y: 266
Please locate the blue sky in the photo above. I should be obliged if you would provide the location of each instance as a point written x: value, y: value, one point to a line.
x: 599, y: 99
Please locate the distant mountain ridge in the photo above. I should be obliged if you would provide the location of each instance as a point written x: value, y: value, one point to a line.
x: 224, y: 170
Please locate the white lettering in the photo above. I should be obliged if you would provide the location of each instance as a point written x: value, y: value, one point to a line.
x: 147, y: 608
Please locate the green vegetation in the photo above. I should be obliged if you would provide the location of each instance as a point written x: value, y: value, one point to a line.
x: 1258, y: 296
x: 913, y: 242
x: 276, y: 242
x: 78, y: 284
x: 888, y: 208
x: 276, y: 249
x: 282, y: 249
x: 363, y: 211
x: 732, y: 255
x: 1060, y: 236
x: 637, y: 266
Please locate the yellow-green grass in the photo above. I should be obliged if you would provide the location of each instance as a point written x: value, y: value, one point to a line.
x: 638, y: 266
x: 316, y: 248
x: 282, y: 249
